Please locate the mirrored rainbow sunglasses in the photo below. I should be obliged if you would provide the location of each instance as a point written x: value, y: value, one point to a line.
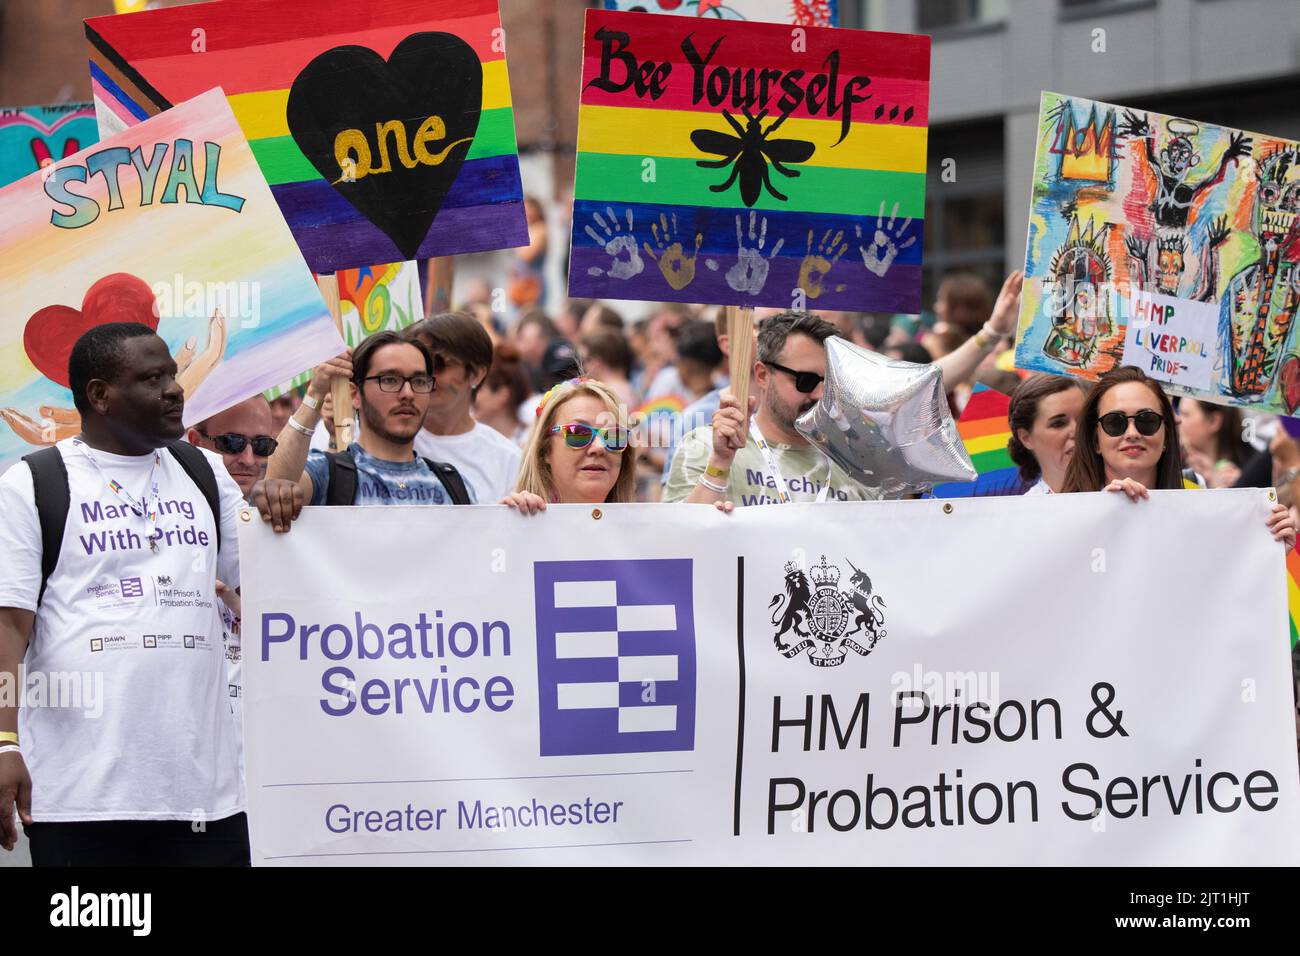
x: 577, y: 435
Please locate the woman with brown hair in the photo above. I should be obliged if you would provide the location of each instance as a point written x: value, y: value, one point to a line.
x: 1212, y: 441
x: 1127, y: 441
x: 1043, y: 416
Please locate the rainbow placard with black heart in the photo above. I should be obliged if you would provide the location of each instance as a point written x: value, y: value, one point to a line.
x: 384, y: 128
x: 750, y: 164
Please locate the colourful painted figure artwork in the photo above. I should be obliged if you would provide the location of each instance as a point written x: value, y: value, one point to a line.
x: 385, y: 128
x: 750, y: 164
x: 33, y: 137
x: 800, y: 13
x: 371, y: 300
x: 1165, y: 243
x: 169, y: 224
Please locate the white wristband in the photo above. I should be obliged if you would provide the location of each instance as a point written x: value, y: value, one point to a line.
x: 713, y: 485
x: 300, y: 428
x: 5, y: 748
x: 311, y: 401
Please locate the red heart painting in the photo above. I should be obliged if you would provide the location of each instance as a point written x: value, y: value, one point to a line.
x: 1290, y: 383
x: 52, y: 331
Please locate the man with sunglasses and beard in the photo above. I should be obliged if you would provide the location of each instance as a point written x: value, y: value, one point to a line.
x: 392, y: 382
x: 765, y: 460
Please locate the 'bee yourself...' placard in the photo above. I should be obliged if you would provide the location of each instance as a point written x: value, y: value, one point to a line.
x: 750, y: 164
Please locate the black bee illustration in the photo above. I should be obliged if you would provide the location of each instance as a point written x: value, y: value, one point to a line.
x: 751, y: 150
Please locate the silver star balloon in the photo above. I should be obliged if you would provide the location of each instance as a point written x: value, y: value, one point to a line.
x: 885, y: 422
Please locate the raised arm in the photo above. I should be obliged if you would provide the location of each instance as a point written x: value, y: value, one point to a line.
x: 960, y: 364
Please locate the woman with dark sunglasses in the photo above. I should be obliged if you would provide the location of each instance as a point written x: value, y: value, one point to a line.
x: 1127, y: 441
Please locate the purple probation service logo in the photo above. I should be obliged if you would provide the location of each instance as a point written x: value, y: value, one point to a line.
x: 615, y: 656
x: 131, y: 587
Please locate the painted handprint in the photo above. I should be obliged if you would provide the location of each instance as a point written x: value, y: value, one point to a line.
x: 885, y: 246
x: 620, y: 246
x: 815, y: 265
x: 678, y: 269
x: 749, y: 274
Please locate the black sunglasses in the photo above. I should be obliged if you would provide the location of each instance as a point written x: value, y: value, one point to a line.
x: 1115, y: 424
x: 231, y: 444
x: 803, y: 381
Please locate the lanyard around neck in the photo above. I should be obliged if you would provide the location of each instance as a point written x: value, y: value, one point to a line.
x: 774, y: 470
x: 138, y: 505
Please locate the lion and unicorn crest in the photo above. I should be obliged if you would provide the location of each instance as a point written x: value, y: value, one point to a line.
x: 823, y: 620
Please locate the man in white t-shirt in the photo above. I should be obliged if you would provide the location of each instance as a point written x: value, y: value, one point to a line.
x: 462, y: 358
x: 148, y: 773
x: 764, y: 460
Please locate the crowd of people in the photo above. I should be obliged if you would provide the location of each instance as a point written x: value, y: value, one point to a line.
x: 578, y: 407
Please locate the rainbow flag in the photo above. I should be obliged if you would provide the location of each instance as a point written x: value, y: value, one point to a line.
x: 984, y: 431
x: 1293, y: 593
x: 734, y: 162
x: 397, y: 145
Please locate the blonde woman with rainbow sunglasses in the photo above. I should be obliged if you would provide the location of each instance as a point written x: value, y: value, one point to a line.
x: 580, y: 451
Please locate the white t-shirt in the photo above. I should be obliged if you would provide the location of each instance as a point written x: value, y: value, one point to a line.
x: 485, y: 458
x: 144, y: 629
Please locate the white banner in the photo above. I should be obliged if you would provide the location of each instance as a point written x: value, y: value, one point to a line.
x: 1072, y: 679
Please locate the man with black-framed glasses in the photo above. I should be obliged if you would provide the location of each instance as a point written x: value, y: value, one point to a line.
x: 392, y: 383
x: 764, y: 459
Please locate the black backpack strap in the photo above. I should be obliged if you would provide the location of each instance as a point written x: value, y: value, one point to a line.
x: 197, y: 466
x: 451, y: 480
x: 342, y: 478
x: 53, y: 498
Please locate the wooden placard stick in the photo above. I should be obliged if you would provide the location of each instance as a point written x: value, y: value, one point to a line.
x: 442, y: 275
x: 340, y: 388
x: 740, y: 333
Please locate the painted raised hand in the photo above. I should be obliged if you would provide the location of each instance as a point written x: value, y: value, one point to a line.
x: 625, y: 261
x: 192, y: 368
x: 749, y: 274
x: 816, y: 265
x: 1134, y: 124
x: 56, y: 424
x: 885, y: 246
x: 1218, y: 232
x: 677, y: 267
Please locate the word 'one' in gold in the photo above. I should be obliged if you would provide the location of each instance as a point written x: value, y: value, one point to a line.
x: 353, y: 154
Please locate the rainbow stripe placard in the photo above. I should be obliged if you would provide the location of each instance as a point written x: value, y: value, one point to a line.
x: 1293, y: 593
x: 735, y: 162
x: 259, y: 52
x: 803, y: 13
x: 984, y: 430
